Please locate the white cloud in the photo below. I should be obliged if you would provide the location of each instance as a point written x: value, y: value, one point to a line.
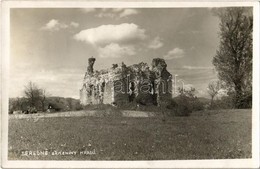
x: 187, y: 86
x: 198, y: 67
x: 51, y: 24
x: 155, y: 43
x: 107, y: 34
x: 174, y: 54
x: 74, y: 24
x: 54, y: 25
x: 113, y: 41
x: 128, y: 12
x: 114, y: 50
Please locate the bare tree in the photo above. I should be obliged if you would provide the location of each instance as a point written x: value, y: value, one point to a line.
x: 35, y: 95
x: 233, y: 60
x: 32, y: 93
x: 213, y: 90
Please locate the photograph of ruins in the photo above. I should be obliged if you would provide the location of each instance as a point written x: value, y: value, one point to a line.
x: 140, y: 83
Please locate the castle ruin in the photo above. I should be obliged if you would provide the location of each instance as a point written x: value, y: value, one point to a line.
x: 123, y: 84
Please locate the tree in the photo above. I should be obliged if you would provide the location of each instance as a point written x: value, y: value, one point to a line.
x: 233, y: 60
x: 43, y: 98
x: 32, y: 93
x: 187, y: 92
x: 189, y: 96
x: 213, y: 90
x: 36, y: 96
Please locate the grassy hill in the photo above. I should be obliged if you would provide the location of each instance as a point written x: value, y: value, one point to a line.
x: 214, y: 134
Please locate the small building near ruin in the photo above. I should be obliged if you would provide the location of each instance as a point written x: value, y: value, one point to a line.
x: 123, y: 84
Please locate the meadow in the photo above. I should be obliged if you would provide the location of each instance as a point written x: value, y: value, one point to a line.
x: 211, y: 134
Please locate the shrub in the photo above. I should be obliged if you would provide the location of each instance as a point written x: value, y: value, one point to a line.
x: 245, y: 101
x: 180, y: 106
x: 145, y: 99
x: 78, y: 107
x: 32, y: 109
x: 185, y: 103
x: 196, y: 104
x: 226, y: 102
x: 183, y: 106
x: 128, y: 106
x: 55, y: 106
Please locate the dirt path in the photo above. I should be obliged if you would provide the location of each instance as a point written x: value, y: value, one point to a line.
x: 126, y: 113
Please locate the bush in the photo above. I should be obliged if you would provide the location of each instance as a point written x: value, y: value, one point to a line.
x: 78, y: 106
x: 55, y: 106
x: 185, y: 103
x: 226, y: 102
x: 32, y: 110
x: 180, y: 106
x: 183, y: 106
x: 229, y: 102
x: 128, y: 106
x: 145, y: 99
x: 245, y: 101
x: 197, y: 105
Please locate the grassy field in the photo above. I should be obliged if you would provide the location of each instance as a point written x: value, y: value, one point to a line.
x: 203, y: 135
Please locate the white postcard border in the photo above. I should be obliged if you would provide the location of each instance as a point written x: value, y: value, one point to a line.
x: 233, y: 163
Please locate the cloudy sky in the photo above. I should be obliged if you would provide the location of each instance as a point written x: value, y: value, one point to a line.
x: 51, y: 47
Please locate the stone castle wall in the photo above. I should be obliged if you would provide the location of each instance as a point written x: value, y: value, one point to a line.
x: 121, y: 85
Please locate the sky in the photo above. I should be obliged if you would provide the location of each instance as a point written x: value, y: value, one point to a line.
x: 51, y: 46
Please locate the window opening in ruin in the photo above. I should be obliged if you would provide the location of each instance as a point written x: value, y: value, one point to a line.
x: 90, y: 90
x: 131, y: 92
x: 152, y: 87
x: 103, y: 87
x: 95, y: 90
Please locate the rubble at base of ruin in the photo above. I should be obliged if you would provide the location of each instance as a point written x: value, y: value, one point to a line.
x: 123, y: 84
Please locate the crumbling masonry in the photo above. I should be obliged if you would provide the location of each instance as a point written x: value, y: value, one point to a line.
x: 123, y: 84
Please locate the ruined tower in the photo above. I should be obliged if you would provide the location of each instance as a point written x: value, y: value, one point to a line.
x: 124, y: 84
x: 91, y: 62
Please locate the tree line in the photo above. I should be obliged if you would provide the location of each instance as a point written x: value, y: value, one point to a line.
x: 37, y: 99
